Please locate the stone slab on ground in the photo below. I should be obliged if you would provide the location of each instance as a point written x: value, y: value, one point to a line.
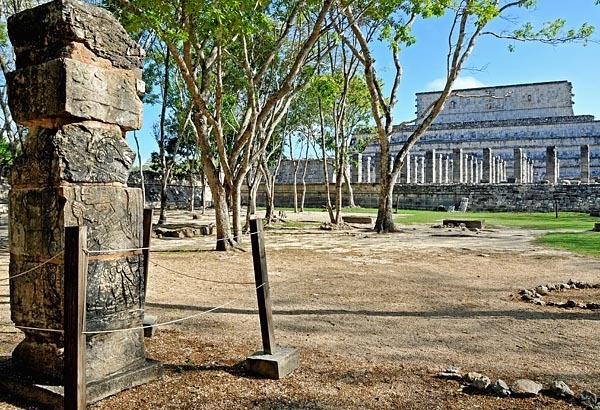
x: 355, y: 219
x: 21, y: 385
x: 273, y: 366
x: 468, y: 223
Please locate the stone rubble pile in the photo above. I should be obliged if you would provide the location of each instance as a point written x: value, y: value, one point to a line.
x: 536, y: 295
x: 477, y: 383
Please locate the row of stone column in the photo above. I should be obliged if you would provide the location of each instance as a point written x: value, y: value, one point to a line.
x: 462, y: 168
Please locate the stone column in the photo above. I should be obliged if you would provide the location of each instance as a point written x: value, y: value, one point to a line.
x: 487, y: 166
x: 75, y: 87
x: 551, y: 165
x: 469, y: 172
x: 503, y: 171
x: 430, y: 167
x: 415, y: 175
x: 368, y: 170
x: 518, y: 165
x: 376, y: 166
x: 445, y: 170
x: 440, y: 169
x: 450, y: 174
x: 357, y: 168
x: 531, y: 170
x: 477, y: 175
x: 421, y: 170
x: 584, y: 164
x: 457, y: 166
x: 405, y: 170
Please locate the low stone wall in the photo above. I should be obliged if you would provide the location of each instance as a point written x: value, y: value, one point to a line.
x: 498, y: 198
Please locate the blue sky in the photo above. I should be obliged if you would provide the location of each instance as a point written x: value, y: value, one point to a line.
x: 490, y: 64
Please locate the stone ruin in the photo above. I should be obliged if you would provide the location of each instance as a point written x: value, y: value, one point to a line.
x: 75, y: 87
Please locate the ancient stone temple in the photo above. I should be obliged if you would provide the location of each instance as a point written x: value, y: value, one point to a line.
x: 529, y: 117
x: 75, y: 87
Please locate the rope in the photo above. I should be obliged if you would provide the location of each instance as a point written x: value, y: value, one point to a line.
x: 97, y: 332
x: 34, y: 268
x: 200, y: 279
x: 97, y: 251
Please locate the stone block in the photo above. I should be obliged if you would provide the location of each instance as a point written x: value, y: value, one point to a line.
x: 65, y: 90
x: 273, y: 366
x: 356, y: 219
x: 54, y: 29
x: 80, y: 152
x: 51, y: 395
x: 149, y: 322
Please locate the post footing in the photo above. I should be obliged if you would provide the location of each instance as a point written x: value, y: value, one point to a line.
x: 273, y: 366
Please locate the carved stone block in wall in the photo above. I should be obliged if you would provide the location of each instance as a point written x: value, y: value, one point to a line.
x: 80, y: 152
x: 51, y: 30
x: 65, y: 90
x: 38, y: 216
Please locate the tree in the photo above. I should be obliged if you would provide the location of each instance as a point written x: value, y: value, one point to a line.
x: 243, y: 42
x: 391, y: 21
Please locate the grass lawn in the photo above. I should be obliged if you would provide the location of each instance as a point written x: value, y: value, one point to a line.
x: 572, y: 230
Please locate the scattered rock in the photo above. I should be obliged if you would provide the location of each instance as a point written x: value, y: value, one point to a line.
x: 542, y: 290
x: 588, y: 399
x: 481, y: 383
x: 451, y: 373
x: 471, y: 377
x: 500, y: 388
x: 561, y: 390
x: 526, y: 388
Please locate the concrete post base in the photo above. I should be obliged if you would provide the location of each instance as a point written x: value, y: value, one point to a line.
x: 273, y: 366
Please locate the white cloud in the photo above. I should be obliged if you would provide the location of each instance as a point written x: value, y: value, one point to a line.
x: 460, y: 83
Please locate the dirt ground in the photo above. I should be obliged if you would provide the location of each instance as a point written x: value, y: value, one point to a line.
x: 374, y: 318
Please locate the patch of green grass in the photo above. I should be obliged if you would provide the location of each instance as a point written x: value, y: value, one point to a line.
x: 586, y: 243
x: 541, y: 221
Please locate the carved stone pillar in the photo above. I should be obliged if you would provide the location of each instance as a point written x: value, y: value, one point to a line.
x: 75, y: 87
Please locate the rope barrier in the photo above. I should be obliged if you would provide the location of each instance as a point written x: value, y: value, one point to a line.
x: 152, y: 249
x: 170, y: 322
x: 34, y: 268
x: 200, y: 279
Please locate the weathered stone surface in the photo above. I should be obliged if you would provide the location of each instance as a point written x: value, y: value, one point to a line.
x: 79, y: 152
x: 481, y: 383
x: 66, y: 90
x: 588, y: 400
x: 560, y: 389
x: 38, y: 216
x: 47, y: 32
x: 500, y: 388
x: 526, y: 388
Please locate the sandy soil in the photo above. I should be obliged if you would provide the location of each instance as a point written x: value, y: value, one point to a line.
x: 374, y: 318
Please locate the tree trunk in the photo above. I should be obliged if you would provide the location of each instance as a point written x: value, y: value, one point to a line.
x: 203, y: 191
x: 236, y: 205
x: 252, y: 194
x: 304, y: 181
x: 351, y: 202
x: 385, y: 219
x: 338, y: 196
x: 162, y: 149
x: 295, y: 184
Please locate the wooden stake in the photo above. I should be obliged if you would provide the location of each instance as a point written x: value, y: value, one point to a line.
x: 75, y: 275
x: 261, y: 277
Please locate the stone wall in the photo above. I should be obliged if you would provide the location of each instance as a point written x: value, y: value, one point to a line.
x: 496, y: 198
x: 534, y: 100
